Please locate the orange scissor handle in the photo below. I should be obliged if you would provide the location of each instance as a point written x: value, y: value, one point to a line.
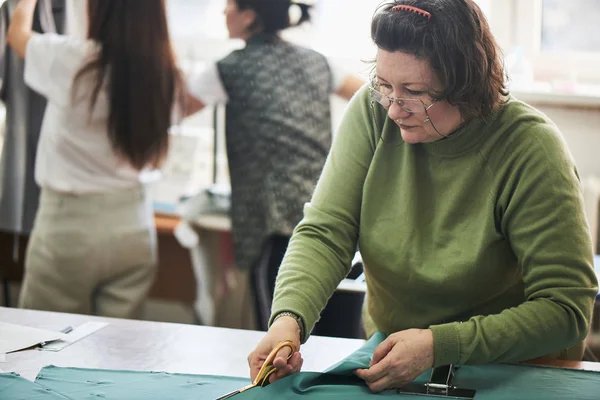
x: 265, y: 371
x: 267, y: 368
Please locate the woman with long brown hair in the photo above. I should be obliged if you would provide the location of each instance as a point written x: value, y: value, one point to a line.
x: 111, y: 98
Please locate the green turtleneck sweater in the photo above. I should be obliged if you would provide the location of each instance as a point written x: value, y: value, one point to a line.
x: 480, y: 237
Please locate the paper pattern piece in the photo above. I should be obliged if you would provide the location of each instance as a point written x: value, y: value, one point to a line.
x: 18, y: 337
x: 75, y: 335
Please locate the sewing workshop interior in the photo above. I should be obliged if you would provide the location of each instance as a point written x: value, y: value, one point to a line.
x: 288, y: 199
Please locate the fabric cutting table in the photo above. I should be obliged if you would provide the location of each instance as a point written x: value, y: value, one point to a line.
x: 198, y: 358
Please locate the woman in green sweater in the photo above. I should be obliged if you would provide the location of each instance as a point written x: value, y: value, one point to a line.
x: 465, y: 204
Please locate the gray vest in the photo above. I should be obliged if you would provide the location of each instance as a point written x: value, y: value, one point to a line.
x: 278, y: 134
x: 25, y: 108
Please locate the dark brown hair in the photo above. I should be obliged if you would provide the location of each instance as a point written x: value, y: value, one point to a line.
x: 457, y: 42
x: 273, y: 16
x: 136, y: 64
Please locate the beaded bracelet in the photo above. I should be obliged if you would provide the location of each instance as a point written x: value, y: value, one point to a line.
x: 296, y: 317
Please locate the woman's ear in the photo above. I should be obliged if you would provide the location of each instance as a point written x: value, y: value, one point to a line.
x: 249, y: 17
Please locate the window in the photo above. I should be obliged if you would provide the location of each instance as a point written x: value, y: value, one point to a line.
x: 557, y: 40
x: 569, y: 26
x: 560, y: 38
x: 343, y: 30
x: 189, y: 18
x: 198, y: 30
x: 339, y: 29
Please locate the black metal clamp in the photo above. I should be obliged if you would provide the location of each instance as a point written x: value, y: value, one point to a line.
x: 440, y: 385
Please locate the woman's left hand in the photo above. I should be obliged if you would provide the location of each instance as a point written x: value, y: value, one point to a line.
x: 399, y: 359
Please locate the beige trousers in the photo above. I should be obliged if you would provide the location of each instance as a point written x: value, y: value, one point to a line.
x: 91, y: 254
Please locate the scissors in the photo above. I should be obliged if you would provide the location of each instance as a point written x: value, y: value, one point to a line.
x: 267, y: 369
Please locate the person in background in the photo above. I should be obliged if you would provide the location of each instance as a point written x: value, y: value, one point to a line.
x: 465, y: 203
x: 110, y: 101
x: 278, y: 132
x: 20, y: 132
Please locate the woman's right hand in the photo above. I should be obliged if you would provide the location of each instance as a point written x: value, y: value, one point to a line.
x: 20, y: 27
x: 285, y: 328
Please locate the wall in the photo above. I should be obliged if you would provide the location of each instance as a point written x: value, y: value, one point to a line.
x: 581, y: 130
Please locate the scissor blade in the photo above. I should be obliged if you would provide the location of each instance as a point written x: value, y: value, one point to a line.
x: 228, y: 395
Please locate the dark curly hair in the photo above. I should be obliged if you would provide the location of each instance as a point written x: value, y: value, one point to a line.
x: 273, y: 16
x: 457, y: 42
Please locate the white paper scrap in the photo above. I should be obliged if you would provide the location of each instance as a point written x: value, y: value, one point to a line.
x: 75, y: 335
x: 18, y: 337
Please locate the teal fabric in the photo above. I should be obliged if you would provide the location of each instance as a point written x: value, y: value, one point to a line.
x: 492, y: 382
x: 88, y: 384
x: 359, y: 359
x: 15, y: 387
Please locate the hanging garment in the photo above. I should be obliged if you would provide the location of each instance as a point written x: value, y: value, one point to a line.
x: 19, y: 194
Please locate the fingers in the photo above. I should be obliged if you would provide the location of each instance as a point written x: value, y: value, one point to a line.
x: 281, y: 359
x: 381, y: 351
x: 382, y: 384
x: 398, y: 360
x: 294, y: 364
x: 279, y: 332
x: 379, y: 382
x: 255, y: 362
x: 374, y: 373
x: 377, y: 376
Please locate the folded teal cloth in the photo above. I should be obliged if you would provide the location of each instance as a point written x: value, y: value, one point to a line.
x: 15, y: 387
x: 492, y: 382
x: 359, y: 359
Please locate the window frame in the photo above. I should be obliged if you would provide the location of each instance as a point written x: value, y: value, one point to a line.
x: 573, y: 66
x: 513, y: 23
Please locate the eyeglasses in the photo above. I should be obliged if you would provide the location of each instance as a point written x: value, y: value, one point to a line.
x: 413, y: 106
